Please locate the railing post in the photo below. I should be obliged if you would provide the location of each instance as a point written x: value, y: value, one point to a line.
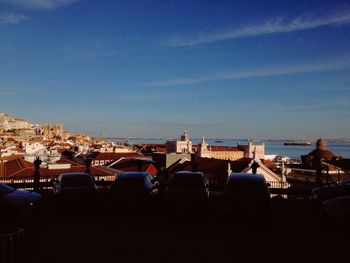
x: 37, y: 164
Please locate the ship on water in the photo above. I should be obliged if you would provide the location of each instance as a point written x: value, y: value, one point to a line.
x: 297, y: 143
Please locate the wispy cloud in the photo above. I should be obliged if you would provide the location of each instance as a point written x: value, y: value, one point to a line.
x: 5, y: 92
x: 312, y: 107
x: 263, y: 72
x: 11, y: 18
x: 140, y: 97
x: 271, y: 26
x: 39, y: 4
x: 335, y: 88
x: 151, y: 96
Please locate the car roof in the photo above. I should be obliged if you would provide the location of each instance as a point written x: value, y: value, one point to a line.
x: 133, y: 175
x: 189, y: 173
x: 246, y: 177
x: 7, y: 187
x: 331, y: 186
x: 346, y: 181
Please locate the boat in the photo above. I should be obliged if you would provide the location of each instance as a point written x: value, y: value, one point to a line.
x: 298, y: 143
x: 219, y: 141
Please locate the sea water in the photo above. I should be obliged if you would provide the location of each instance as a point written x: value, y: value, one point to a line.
x: 271, y: 147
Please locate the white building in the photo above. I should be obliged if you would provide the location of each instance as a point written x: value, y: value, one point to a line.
x: 252, y: 149
x: 184, y: 145
x: 9, y: 123
x: 257, y: 150
x: 203, y: 150
x: 270, y: 157
x: 10, y: 150
x: 33, y: 148
x: 276, y: 181
x: 18, y: 124
x: 4, y: 124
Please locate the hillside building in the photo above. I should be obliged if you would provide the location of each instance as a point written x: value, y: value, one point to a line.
x: 9, y: 123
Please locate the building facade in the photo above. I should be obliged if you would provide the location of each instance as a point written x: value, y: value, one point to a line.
x: 9, y: 123
x: 184, y: 145
x: 218, y: 152
x: 252, y: 150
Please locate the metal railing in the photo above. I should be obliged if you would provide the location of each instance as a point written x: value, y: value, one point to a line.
x: 27, y: 183
x: 275, y: 184
x: 276, y: 188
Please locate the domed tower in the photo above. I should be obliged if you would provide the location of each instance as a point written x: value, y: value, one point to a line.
x: 202, y: 150
x: 321, y: 151
x: 321, y: 144
x: 315, y: 157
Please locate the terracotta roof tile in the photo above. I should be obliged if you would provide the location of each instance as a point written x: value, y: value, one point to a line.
x: 131, y: 164
x: 114, y: 156
x: 20, y: 168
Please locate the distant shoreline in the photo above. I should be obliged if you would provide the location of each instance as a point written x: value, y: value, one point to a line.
x: 345, y: 141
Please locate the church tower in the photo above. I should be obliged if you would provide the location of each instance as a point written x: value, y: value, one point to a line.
x: 203, y: 150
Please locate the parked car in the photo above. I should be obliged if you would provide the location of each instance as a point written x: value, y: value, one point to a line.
x: 247, y: 194
x: 75, y: 187
x: 132, y: 189
x: 336, y: 209
x: 187, y: 191
x: 15, y: 202
x: 329, y: 191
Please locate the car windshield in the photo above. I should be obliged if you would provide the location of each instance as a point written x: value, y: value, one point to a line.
x: 345, y: 182
x: 128, y: 182
x: 74, y: 181
x: 5, y: 189
x: 246, y: 188
x: 186, y: 182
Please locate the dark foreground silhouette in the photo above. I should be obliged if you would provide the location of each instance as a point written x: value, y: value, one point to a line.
x: 293, y: 233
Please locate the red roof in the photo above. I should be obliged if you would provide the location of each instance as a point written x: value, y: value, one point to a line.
x: 151, y: 144
x: 131, y: 165
x: 114, y: 156
x: 269, y: 164
x: 19, y: 168
x: 15, y: 166
x: 152, y: 147
x: 11, y: 157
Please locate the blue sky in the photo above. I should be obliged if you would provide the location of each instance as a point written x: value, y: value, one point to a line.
x: 226, y: 69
